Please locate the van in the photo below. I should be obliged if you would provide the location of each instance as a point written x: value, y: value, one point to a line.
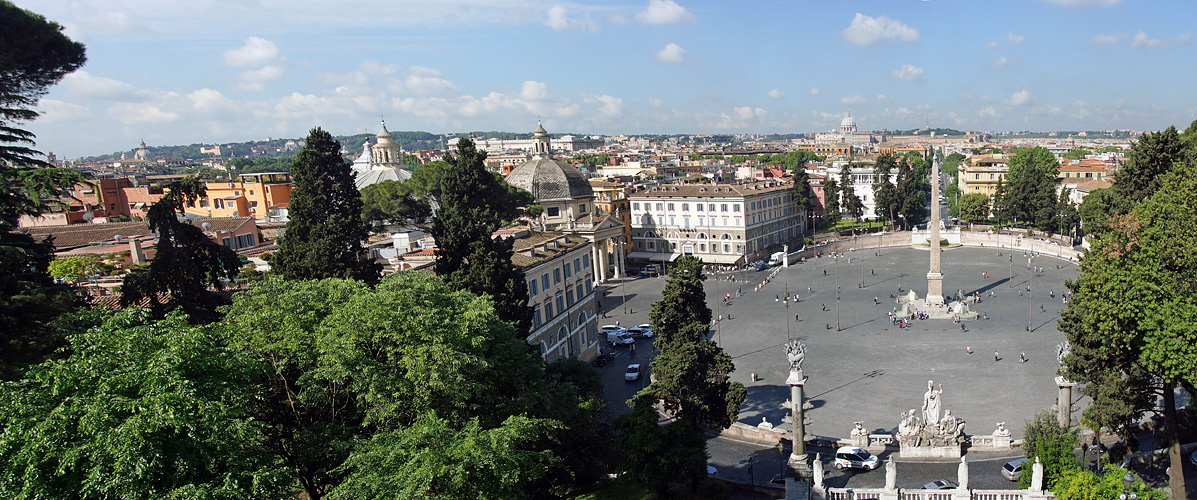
x: 1013, y: 469
x: 852, y: 457
x: 776, y: 259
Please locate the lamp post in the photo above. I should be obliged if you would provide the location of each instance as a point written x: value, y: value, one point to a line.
x: 837, y: 291
x: 1030, y: 292
x: 1127, y: 481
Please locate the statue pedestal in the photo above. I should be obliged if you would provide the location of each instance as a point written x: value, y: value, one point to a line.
x: 910, y: 451
x: 934, y: 289
x: 1064, y: 402
x: 1002, y: 442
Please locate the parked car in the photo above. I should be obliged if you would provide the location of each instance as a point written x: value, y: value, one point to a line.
x: 646, y: 327
x: 640, y: 333
x: 1012, y: 469
x: 942, y: 484
x: 712, y: 471
x: 852, y: 457
x: 632, y: 373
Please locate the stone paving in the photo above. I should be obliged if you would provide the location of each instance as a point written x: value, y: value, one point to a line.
x: 861, y: 367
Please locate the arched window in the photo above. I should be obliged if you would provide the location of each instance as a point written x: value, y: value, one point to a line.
x: 562, y: 333
x: 726, y: 236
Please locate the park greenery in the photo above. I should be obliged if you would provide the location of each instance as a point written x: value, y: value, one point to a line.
x: 1044, y: 439
x: 1130, y: 322
x: 691, y: 386
x: 324, y: 237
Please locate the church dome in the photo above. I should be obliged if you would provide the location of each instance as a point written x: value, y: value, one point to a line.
x: 848, y: 124
x: 547, y: 179
x: 377, y: 175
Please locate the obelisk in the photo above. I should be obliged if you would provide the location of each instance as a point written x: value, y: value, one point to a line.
x: 934, y: 277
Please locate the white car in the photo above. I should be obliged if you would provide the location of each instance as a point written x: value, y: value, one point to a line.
x: 851, y: 457
x: 632, y: 373
x: 640, y: 333
x: 646, y: 327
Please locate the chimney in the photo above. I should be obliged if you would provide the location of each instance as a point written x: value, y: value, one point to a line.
x: 135, y: 251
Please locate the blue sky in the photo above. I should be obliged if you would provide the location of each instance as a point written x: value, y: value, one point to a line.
x: 210, y: 71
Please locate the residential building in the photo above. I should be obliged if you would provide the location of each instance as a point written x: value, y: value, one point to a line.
x: 981, y: 173
x: 559, y: 271
x: 252, y: 195
x: 719, y: 223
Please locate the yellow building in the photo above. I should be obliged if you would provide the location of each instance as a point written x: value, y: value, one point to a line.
x: 981, y: 173
x: 251, y: 195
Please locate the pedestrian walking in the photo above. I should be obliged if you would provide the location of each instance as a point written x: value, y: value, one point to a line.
x: 872, y: 273
x: 875, y: 301
x: 968, y: 349
x: 995, y: 356
x: 1022, y: 357
x: 796, y: 317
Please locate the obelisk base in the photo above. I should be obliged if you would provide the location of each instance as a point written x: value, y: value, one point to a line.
x: 935, y: 289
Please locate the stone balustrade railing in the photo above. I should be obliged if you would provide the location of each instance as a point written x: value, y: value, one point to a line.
x: 916, y: 494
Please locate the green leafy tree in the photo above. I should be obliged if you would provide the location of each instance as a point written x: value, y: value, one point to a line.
x: 345, y: 363
x: 850, y: 202
x: 34, y: 55
x: 1031, y: 188
x: 188, y: 267
x: 1096, y: 209
x: 691, y: 373
x: 1044, y: 438
x: 660, y: 455
x: 1068, y: 218
x: 1131, y: 320
x: 831, y: 202
x: 912, y: 193
x: 468, y: 256
x: 974, y: 207
x: 803, y: 194
x: 885, y: 193
x: 324, y: 237
x: 1152, y: 156
x: 952, y: 193
x: 1083, y: 484
x: 393, y: 202
x: 75, y: 268
x: 141, y: 409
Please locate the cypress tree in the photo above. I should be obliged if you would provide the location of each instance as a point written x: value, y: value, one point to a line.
x: 468, y: 257
x: 325, y: 234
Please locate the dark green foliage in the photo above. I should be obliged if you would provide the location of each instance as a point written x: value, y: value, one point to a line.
x: 974, y: 207
x: 393, y: 202
x: 885, y: 193
x: 691, y: 373
x: 1096, y: 209
x: 850, y: 203
x: 468, y: 257
x: 1152, y: 156
x: 1030, y: 194
x: 187, y: 265
x: 831, y: 202
x: 142, y: 409
x: 1043, y: 437
x: 344, y: 361
x: 657, y: 456
x: 912, y: 194
x: 325, y: 234
x: 29, y: 301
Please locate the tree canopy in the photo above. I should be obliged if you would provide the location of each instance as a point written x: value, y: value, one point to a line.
x: 324, y: 237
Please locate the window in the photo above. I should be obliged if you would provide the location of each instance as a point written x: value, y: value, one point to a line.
x: 253, y: 204
x: 726, y: 248
x: 562, y: 334
x: 685, y: 207
x: 568, y: 270
x: 536, y: 321
x: 532, y: 288
x: 586, y: 261
x: 569, y: 296
x: 548, y: 310
x: 553, y: 211
x: 670, y: 207
x: 582, y: 207
x: 702, y: 247
x: 736, y: 208
x: 556, y: 275
x: 544, y: 282
x: 245, y: 240
x: 588, y: 284
x: 579, y: 289
x: 672, y: 221
x: 659, y: 207
x: 636, y: 206
x: 702, y: 221
x: 228, y: 242
x: 698, y: 206
x: 251, y: 192
x: 723, y: 207
x: 560, y: 302
x: 577, y: 265
x: 711, y: 207
x: 685, y: 222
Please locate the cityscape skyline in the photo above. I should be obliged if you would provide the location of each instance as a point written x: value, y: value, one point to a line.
x: 212, y: 72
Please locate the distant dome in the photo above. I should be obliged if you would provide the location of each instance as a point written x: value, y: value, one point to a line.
x: 848, y: 124
x: 548, y: 180
x: 377, y: 175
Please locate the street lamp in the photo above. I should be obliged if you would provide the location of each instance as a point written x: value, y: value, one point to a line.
x: 837, y: 291
x: 1030, y: 291
x: 1127, y: 481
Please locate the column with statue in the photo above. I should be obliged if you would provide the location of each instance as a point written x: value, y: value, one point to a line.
x: 1064, y: 396
x: 799, y: 465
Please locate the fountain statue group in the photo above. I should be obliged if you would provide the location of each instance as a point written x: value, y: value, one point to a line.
x: 927, y: 433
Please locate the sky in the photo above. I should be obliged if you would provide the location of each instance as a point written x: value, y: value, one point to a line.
x: 174, y: 72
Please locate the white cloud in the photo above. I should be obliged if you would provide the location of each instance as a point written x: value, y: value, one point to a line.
x: 56, y: 111
x: 909, y: 72
x: 664, y: 12
x: 608, y: 106
x: 993, y: 45
x: 883, y: 99
x: 255, y: 52
x: 813, y: 91
x: 868, y: 30
x: 656, y: 103
x: 82, y: 84
x: 1012, y: 38
x: 749, y: 112
x: 957, y: 119
x: 373, y: 67
x: 776, y: 94
x: 854, y: 100
x: 423, y: 81
x: 1106, y: 39
x: 1001, y: 62
x: 1019, y: 98
x: 672, y: 53
x: 132, y: 113
x: 1142, y: 41
x: 256, y: 79
x: 1084, y: 3
x: 558, y: 19
x: 988, y: 112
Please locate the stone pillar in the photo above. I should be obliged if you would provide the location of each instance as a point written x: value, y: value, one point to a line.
x: 617, y: 245
x: 785, y: 260
x: 594, y: 261
x: 602, y: 251
x: 934, y: 276
x: 135, y: 251
x: 798, y: 458
x: 1064, y: 402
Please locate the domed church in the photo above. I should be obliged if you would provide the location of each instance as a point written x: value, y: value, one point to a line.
x: 381, y: 162
x: 568, y: 202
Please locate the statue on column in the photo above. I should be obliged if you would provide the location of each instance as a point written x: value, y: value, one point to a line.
x: 796, y: 354
x: 931, y: 403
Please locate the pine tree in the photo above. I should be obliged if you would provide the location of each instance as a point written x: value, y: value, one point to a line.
x: 325, y: 234
x: 831, y: 202
x: 468, y: 257
x: 187, y: 264
x: 804, y: 196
